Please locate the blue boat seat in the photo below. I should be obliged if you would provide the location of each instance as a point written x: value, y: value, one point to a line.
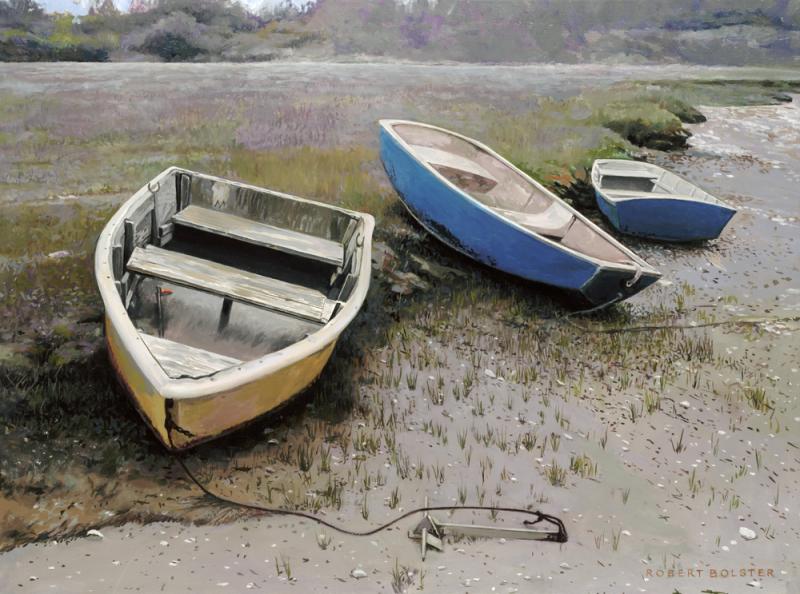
x: 553, y: 222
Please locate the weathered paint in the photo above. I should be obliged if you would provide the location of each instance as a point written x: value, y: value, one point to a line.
x: 649, y: 201
x: 148, y: 401
x: 233, y: 396
x: 181, y: 360
x: 467, y: 226
x: 666, y: 219
x: 257, y: 233
x: 199, y: 419
x: 179, y: 424
x: 227, y: 281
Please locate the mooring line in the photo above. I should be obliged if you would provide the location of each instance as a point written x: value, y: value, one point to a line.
x: 652, y: 327
x: 559, y: 536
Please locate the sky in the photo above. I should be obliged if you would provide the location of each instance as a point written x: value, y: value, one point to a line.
x: 81, y: 6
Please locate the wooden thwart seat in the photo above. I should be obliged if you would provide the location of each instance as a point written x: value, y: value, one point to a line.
x: 240, y: 228
x: 179, y: 360
x: 232, y: 283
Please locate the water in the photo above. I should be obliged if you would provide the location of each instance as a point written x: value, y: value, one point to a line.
x: 747, y: 156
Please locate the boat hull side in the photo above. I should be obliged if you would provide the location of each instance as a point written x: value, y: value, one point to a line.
x: 199, y: 419
x: 469, y: 228
x: 186, y: 422
x: 672, y: 219
x: 608, y: 208
x: 149, y: 403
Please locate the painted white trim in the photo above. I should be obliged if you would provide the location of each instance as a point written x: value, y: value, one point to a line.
x: 709, y: 198
x: 388, y: 125
x: 234, y: 377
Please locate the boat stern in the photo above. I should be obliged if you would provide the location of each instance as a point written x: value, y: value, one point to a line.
x: 673, y: 219
x: 609, y: 286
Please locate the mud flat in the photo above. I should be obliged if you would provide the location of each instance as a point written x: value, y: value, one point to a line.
x: 664, y: 433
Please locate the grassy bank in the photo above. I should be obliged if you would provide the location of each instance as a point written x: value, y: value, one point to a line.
x: 75, y: 455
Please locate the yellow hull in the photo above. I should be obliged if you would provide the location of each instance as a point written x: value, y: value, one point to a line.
x: 183, y: 423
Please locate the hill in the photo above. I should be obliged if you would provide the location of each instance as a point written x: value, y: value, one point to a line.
x: 732, y: 32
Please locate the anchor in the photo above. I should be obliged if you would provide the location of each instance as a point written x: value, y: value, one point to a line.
x: 431, y: 532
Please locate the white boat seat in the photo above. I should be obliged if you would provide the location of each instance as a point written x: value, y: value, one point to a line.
x: 643, y: 173
x: 180, y: 360
x: 640, y: 194
x: 232, y: 283
x: 466, y: 171
x: 284, y: 240
x: 553, y: 222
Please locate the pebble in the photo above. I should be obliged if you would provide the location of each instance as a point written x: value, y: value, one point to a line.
x: 686, y: 404
x: 747, y: 533
x: 95, y: 533
x: 358, y: 573
x: 489, y: 373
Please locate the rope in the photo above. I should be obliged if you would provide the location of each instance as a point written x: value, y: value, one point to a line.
x: 652, y: 327
x: 559, y: 536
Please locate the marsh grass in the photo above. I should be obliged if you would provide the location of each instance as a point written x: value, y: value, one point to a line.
x: 336, y: 175
x: 362, y: 414
x: 556, y: 475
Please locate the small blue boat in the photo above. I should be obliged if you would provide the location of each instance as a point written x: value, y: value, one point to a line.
x: 645, y: 200
x: 476, y: 202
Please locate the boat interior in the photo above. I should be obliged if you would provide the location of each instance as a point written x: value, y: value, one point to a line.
x: 213, y: 273
x: 499, y: 187
x: 620, y: 179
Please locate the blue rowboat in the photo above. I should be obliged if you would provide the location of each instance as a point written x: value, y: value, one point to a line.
x: 648, y: 201
x: 476, y: 202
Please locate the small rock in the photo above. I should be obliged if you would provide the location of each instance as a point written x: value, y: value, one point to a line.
x: 404, y: 283
x: 489, y: 373
x: 437, y: 271
x: 358, y: 573
x: 95, y: 533
x: 686, y: 404
x: 747, y: 533
x: 564, y: 565
x: 383, y: 257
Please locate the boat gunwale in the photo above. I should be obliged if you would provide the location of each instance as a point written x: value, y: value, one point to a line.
x: 597, y: 171
x: 231, y: 378
x: 639, y: 263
